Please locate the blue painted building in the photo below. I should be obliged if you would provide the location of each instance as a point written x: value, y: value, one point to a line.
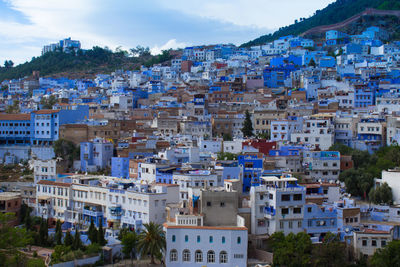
x: 319, y: 220
x: 120, y: 167
x: 252, y: 166
x: 275, y: 76
x: 363, y: 96
x: 96, y: 155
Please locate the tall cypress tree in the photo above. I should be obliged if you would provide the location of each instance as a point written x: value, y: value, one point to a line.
x: 100, y: 236
x: 68, y: 239
x: 247, y: 129
x: 92, y: 233
x: 77, y: 240
x: 58, y: 234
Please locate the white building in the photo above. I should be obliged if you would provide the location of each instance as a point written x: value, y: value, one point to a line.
x: 277, y: 205
x: 44, y: 169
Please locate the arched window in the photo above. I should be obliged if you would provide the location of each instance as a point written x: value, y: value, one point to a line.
x: 239, y: 240
x: 210, y: 256
x: 223, y: 257
x: 173, y: 255
x: 198, y: 256
x: 186, y: 255
x: 223, y: 240
x: 173, y: 238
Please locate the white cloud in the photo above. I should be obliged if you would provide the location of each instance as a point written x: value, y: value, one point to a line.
x: 257, y: 13
x: 171, y: 44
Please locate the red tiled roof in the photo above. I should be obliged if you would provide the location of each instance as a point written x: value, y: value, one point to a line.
x: 15, y: 117
x: 205, y: 227
x: 46, y: 182
x: 46, y: 111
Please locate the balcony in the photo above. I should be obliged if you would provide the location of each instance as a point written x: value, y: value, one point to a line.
x: 269, y: 212
x: 92, y: 213
x: 131, y: 221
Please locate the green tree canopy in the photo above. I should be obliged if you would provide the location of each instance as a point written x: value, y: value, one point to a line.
x: 152, y: 241
x: 68, y: 240
x: 129, y: 244
x: 291, y: 250
x: 58, y: 233
x: 388, y: 256
x: 381, y: 195
x: 100, y: 235
x: 92, y: 232
x: 247, y: 129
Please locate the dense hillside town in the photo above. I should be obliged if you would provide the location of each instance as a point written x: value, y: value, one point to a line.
x: 218, y: 149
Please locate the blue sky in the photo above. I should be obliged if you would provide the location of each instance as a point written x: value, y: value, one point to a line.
x: 26, y: 25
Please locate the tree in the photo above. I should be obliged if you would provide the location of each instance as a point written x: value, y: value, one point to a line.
x: 331, y: 252
x: 58, y: 234
x: 92, y: 232
x: 291, y: 250
x: 381, y: 195
x: 152, y: 241
x: 48, y: 103
x: 358, y: 181
x: 66, y: 150
x: 8, y: 64
x: 247, y: 129
x: 100, y: 235
x: 343, y: 149
x: 68, y: 240
x: 129, y: 243
x: 77, y: 244
x: 43, y: 233
x: 227, y: 137
x: 312, y: 63
x: 12, y: 237
x: 226, y: 156
x: 388, y: 256
x: 14, y: 108
x: 28, y: 219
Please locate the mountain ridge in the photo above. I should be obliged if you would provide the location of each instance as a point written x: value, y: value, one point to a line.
x: 335, y: 12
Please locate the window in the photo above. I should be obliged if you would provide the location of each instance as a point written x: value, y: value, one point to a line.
x: 208, y: 204
x: 198, y: 256
x: 186, y: 255
x: 290, y: 224
x: 186, y: 238
x: 373, y: 243
x: 284, y: 211
x: 211, y: 239
x: 198, y: 239
x: 223, y: 257
x: 173, y: 255
x: 285, y: 197
x: 223, y: 240
x: 222, y: 204
x: 239, y: 240
x: 210, y: 256
x: 383, y: 243
x: 364, y: 242
x: 299, y: 224
x: 297, y: 210
x: 297, y: 197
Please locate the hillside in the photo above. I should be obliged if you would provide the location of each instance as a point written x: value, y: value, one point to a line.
x: 82, y: 64
x: 336, y: 12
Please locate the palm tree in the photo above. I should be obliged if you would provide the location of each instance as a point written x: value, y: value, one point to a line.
x: 152, y: 241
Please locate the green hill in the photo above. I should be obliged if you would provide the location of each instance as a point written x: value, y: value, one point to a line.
x: 82, y: 63
x: 333, y: 13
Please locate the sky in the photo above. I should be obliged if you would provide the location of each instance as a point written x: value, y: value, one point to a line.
x: 27, y: 25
